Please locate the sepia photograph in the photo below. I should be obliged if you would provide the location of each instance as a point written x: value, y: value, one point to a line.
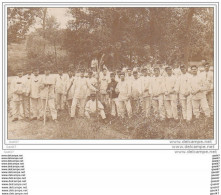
x: 110, y: 73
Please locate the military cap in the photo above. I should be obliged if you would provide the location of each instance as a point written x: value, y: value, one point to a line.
x: 122, y: 73
x: 135, y: 72
x: 93, y: 94
x: 168, y: 67
x: 194, y: 66
x: 112, y: 74
x: 144, y: 69
x: 182, y: 66
x: 207, y: 64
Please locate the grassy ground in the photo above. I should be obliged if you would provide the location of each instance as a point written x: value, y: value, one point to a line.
x: 135, y: 128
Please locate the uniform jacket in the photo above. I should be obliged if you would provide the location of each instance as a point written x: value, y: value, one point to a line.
x: 169, y: 87
x: 145, y: 86
x: 17, y: 88
x: 104, y: 80
x: 91, y: 106
x: 182, y: 85
x: 196, y: 83
x: 80, y: 87
x: 35, y: 86
x: 208, y: 80
x: 157, y: 87
x: 27, y: 84
x: 136, y: 88
x: 47, y: 90
x: 124, y: 89
x: 60, y: 82
x: 112, y: 84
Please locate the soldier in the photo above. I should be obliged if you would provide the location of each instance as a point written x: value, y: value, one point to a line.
x: 135, y: 93
x: 92, y: 81
x: 60, y: 89
x: 182, y: 88
x: 207, y: 77
x: 196, y: 84
x: 170, y: 95
x: 26, y: 94
x: 17, y: 88
x: 68, y: 89
x: 35, y: 94
x: 104, y: 80
x: 80, y: 88
x: 124, y: 91
x: 113, y: 95
x: 157, y: 92
x: 146, y: 98
x: 47, y: 87
x: 90, y: 108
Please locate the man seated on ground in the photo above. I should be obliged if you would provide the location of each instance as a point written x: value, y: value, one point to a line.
x: 90, y: 108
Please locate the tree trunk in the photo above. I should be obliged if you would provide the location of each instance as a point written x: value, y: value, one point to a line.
x: 188, y: 28
x: 44, y: 24
x: 55, y: 53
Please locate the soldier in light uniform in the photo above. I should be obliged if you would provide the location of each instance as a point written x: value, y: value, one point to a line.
x: 80, y: 88
x: 92, y: 81
x: 157, y: 94
x: 104, y: 80
x: 170, y: 95
x: 35, y: 94
x: 182, y: 88
x: 146, y: 98
x: 47, y: 87
x: 68, y: 89
x: 17, y: 88
x: 124, y: 91
x: 26, y: 94
x: 196, y: 88
x: 60, y: 89
x: 135, y: 93
x: 207, y: 76
x: 90, y: 108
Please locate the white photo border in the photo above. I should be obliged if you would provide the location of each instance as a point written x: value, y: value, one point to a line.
x: 131, y: 144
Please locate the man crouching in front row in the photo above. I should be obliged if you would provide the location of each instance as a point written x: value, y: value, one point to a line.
x: 90, y: 108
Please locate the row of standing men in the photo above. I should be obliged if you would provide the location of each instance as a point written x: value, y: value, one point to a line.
x: 126, y: 93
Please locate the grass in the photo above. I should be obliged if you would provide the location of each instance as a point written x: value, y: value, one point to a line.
x: 135, y: 128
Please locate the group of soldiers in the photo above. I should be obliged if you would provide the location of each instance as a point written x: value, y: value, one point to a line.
x: 125, y: 93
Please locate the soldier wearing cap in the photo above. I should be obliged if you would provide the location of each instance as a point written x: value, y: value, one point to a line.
x: 207, y: 76
x: 92, y: 81
x: 170, y: 94
x: 17, y: 88
x: 182, y: 88
x: 80, y: 89
x: 69, y: 89
x: 124, y: 90
x: 113, y: 95
x: 136, y: 91
x: 196, y: 88
x: 90, y: 108
x: 157, y: 93
x: 104, y: 80
x: 26, y: 94
x: 145, y: 90
x: 60, y: 83
x: 47, y: 87
x: 35, y: 94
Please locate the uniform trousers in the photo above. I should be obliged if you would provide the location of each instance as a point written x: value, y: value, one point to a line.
x: 122, y: 104
x: 51, y: 106
x: 36, y: 107
x: 197, y: 103
x: 158, y: 107
x: 78, y: 101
